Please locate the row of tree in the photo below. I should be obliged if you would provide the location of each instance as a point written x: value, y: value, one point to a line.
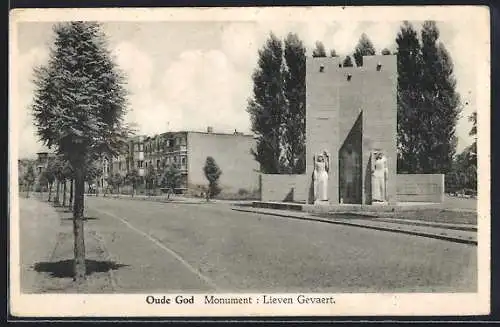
x: 168, y: 178
x: 428, y: 104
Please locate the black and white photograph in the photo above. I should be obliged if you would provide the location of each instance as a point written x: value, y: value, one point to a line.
x: 266, y: 161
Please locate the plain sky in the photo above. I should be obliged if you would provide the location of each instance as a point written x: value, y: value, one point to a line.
x: 189, y: 75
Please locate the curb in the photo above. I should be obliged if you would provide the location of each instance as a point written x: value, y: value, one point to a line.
x: 156, y: 200
x: 388, y: 229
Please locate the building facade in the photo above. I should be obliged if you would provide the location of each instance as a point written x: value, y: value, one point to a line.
x: 188, y: 151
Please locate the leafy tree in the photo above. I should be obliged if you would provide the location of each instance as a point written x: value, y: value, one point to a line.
x: 29, y: 179
x: 71, y: 191
x: 78, y: 107
x: 42, y: 182
x: 473, y: 132
x: 363, y: 48
x: 385, y: 52
x: 333, y: 53
x: 319, y: 50
x: 50, y: 175
x: 267, y: 104
x: 294, y: 133
x: 170, y: 179
x: 151, y: 178
x: 20, y: 181
x: 115, y: 181
x: 59, y: 175
x: 347, y: 62
x: 441, y: 104
x: 409, y: 61
x: 428, y: 104
x: 134, y: 179
x: 212, y: 173
x: 67, y: 174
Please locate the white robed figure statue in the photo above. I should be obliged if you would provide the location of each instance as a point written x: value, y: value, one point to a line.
x: 379, y: 177
x: 320, y: 176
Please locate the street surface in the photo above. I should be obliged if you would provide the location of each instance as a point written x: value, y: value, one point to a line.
x: 171, y: 247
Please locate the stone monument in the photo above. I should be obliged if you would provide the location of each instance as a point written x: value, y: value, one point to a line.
x: 350, y: 112
x: 320, y: 177
x: 379, y: 177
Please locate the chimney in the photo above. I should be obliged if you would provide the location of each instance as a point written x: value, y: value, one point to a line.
x: 209, y: 129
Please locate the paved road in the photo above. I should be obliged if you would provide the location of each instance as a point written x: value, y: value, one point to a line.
x: 170, y: 247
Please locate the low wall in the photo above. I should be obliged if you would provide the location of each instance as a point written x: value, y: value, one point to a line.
x: 420, y: 187
x: 284, y: 188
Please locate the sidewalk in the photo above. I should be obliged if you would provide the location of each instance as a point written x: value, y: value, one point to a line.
x: 460, y: 233
x: 39, y: 227
x: 46, y: 251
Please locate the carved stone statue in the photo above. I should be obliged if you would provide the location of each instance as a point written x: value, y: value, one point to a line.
x: 379, y: 177
x: 320, y: 176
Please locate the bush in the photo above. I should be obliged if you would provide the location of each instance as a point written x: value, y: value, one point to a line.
x: 242, y: 191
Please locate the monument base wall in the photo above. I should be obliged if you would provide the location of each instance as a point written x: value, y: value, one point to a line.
x: 284, y: 188
x: 420, y: 188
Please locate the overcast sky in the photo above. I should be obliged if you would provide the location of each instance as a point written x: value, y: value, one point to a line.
x: 190, y: 75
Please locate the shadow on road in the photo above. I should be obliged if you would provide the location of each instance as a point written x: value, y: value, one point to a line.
x: 64, y: 268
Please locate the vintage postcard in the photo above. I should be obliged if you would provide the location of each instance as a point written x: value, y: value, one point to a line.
x: 265, y: 161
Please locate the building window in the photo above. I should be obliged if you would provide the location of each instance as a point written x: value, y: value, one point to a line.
x: 157, y: 163
x: 183, y: 160
x: 119, y: 166
x: 139, y: 163
x: 175, y: 159
x: 146, y: 164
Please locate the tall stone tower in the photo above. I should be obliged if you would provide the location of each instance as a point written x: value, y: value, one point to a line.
x: 351, y: 109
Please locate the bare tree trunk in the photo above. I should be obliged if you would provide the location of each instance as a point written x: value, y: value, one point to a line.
x: 71, y: 192
x: 28, y: 191
x: 56, y: 198
x: 78, y: 224
x: 50, y: 191
x: 64, y: 194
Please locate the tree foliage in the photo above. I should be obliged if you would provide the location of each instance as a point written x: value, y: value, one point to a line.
x: 428, y: 104
x: 133, y: 179
x: 29, y: 179
x: 212, y: 173
x: 151, y: 178
x: 78, y: 106
x: 295, y: 112
x: 363, y: 48
x: 115, y: 181
x: 267, y: 105
x: 171, y: 178
x: 333, y: 53
x: 319, y: 50
x: 441, y: 103
x: 347, y: 62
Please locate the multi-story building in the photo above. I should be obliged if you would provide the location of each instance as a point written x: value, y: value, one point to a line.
x: 130, y: 158
x: 188, y: 151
